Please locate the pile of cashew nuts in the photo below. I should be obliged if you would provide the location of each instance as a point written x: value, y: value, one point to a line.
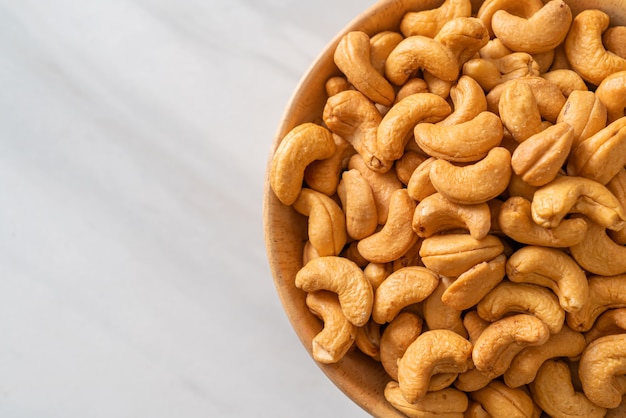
x: 465, y: 194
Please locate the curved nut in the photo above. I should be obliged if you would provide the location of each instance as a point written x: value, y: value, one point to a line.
x: 336, y: 84
x: 475, y: 183
x: 368, y: 339
x: 553, y: 269
x: 515, y: 220
x: 494, y: 49
x: 466, y: 142
x: 406, y: 165
x: 301, y: 146
x: 519, y: 8
x: 585, y: 51
x: 326, y: 223
x: 336, y: 338
x: 585, y: 113
x: 519, y: 111
x: 614, y: 39
x: 444, y: 403
x: 343, y: 277
x: 602, y: 368
x: 433, y: 352
x: 544, y: 60
x: 396, y: 236
x: 605, y: 292
x: 435, y: 213
x: 412, y: 86
x: 541, y: 32
x: 471, y: 286
x: 410, y: 258
x: 352, y: 56
x: 381, y: 45
x: 468, y: 99
x: 323, y: 175
x: 601, y: 156
x: 419, y: 185
x: 611, y: 322
x: 524, y: 367
x: 500, y: 400
x: 439, y: 315
x: 502, y: 340
x: 396, y: 338
x: 396, y: 128
x: 540, y: 157
x: 415, y: 52
x: 436, y: 85
x: 464, y: 36
x: 617, y: 186
x: 429, y: 22
x: 359, y: 206
x: 510, y: 297
x: 483, y: 71
x: 376, y: 273
x: 566, y: 80
x: 571, y: 194
x: 401, y: 288
x: 309, y: 253
x: 453, y: 254
x: 612, y: 93
x: 351, y: 252
x: 554, y: 392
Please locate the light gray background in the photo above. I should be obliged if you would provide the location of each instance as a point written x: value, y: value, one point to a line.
x: 134, y: 137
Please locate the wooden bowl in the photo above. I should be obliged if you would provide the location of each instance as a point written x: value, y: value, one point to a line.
x: 357, y: 375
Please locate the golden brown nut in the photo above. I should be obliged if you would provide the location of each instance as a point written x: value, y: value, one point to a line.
x: 585, y: 113
x: 381, y: 45
x: 613, y: 321
x: 358, y: 203
x: 501, y: 401
x: 323, y: 175
x: 441, y: 316
x: 605, y: 292
x: 602, y: 370
x: 519, y: 111
x: 445, y: 403
x: 367, y: 339
x: 598, y: 253
x: 614, y: 39
x: 419, y: 185
x: 519, y: 8
x: 396, y: 338
x: 429, y: 22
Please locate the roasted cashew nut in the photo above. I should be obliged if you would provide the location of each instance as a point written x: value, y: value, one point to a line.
x: 368, y: 339
x: 602, y: 369
x: 336, y: 338
x: 381, y: 46
x: 519, y: 8
x: 323, y: 175
x: 585, y: 113
x: 429, y: 22
x: 554, y: 392
x: 464, y: 36
x: 300, y: 147
x: 598, y: 253
x: 396, y: 338
x: 612, y: 93
x: 499, y: 400
x: 566, y: 80
x: 468, y: 99
x: 553, y: 269
x: 433, y: 352
x: 359, y: 205
x: 605, y: 292
x: 610, y: 322
x: 419, y: 185
x: 406, y: 165
x: 343, y: 277
x: 445, y: 403
x: 519, y: 111
x: 402, y: 288
x: 439, y: 315
x: 614, y: 39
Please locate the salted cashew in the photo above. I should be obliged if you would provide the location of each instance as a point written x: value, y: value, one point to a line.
x: 612, y: 93
x: 468, y: 99
x: 439, y: 315
x: 383, y: 185
x: 415, y: 52
x: 540, y: 157
x: 508, y: 297
x: 605, y: 292
x: 396, y: 128
x: 435, y: 213
x: 566, y: 80
x: 429, y: 22
x: 502, y: 340
x: 601, y: 156
x: 401, y: 288
x: 412, y: 86
x: 343, y: 277
x: 323, y: 175
x: 336, y: 84
x: 585, y: 113
x: 326, y: 223
x: 612, y: 321
x: 472, y: 285
x: 359, y: 206
x: 475, y: 183
x: 453, y: 254
x: 520, y: 8
x: 519, y: 111
x: 541, y: 32
x: 501, y: 401
x: 419, y: 185
x: 396, y: 338
x: 524, y: 366
x: 572, y: 194
x: 614, y: 39
x: 585, y: 51
x: 551, y: 268
x: 464, y: 36
x: 338, y: 334
x: 396, y: 236
x: 444, y: 403
x: 352, y: 56
x: 381, y: 45
x: 301, y: 146
x: 367, y: 339
x: 406, y: 165
x: 554, y: 392
x: 602, y: 369
x: 432, y: 352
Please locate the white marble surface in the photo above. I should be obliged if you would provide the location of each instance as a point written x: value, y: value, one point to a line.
x: 134, y: 136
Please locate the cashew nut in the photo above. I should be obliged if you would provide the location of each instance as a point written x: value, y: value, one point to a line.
x: 464, y: 36
x: 381, y: 45
x: 501, y: 401
x: 401, y: 288
x: 553, y: 269
x: 519, y: 8
x: 376, y: 273
x: 419, y: 185
x: 468, y: 99
x: 429, y: 22
x: 445, y: 403
x: 585, y: 51
x: 326, y: 223
x: 396, y: 338
x: 541, y: 32
x: 338, y: 335
x: 605, y: 292
x: 352, y: 57
x: 343, y: 277
x: 336, y: 84
x: 351, y: 252
x: 617, y: 186
x: 519, y: 111
x: 612, y: 93
x: 323, y: 175
x: 585, y: 113
x: 367, y: 339
x: 435, y: 213
x: 475, y: 183
x: 396, y: 236
x: 614, y: 39
x: 508, y: 297
x: 602, y: 369
x: 433, y: 352
x: 412, y: 86
x: 553, y: 391
x: 566, y: 80
x: 406, y: 165
x: 359, y: 206
x: 453, y: 254
x: 598, y: 253
x: 439, y: 315
x: 410, y: 258
x: 611, y: 322
x: 302, y: 145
